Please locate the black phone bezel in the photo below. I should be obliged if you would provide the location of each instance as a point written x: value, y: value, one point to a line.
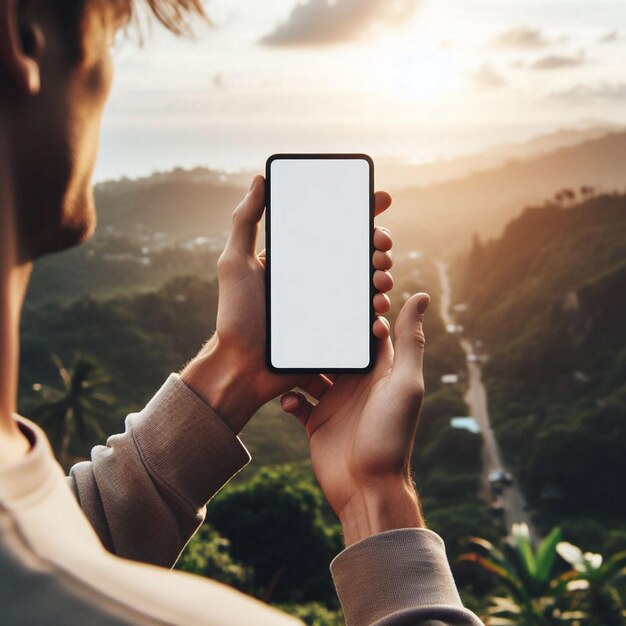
x: 268, y: 263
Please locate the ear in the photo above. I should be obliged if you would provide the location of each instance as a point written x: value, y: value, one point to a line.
x: 21, y: 45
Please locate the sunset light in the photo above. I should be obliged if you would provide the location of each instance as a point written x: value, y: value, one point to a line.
x: 411, y: 79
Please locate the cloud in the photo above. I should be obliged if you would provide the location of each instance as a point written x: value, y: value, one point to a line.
x: 587, y: 93
x: 522, y: 37
x: 558, y: 61
x: 323, y: 22
x: 486, y: 77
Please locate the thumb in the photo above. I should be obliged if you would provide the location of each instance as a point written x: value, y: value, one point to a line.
x: 410, y: 341
x: 246, y: 217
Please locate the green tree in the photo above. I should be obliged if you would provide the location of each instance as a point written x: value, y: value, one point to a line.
x: 73, y: 411
x: 276, y: 525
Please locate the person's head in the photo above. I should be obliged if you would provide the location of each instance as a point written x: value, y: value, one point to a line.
x: 55, y: 76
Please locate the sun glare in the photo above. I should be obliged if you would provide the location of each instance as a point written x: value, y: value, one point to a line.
x: 423, y: 72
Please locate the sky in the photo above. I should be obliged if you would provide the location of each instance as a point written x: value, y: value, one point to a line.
x: 415, y: 80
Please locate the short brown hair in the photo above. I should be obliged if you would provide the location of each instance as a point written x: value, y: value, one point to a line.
x: 174, y: 14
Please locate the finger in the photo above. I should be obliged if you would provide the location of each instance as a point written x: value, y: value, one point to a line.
x: 383, y: 281
x: 382, y: 201
x: 382, y: 304
x: 297, y: 404
x: 316, y: 386
x: 410, y: 342
x: 382, y: 260
x: 246, y: 217
x: 381, y: 328
x: 382, y: 239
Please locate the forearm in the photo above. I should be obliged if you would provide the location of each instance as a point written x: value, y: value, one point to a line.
x: 145, y: 491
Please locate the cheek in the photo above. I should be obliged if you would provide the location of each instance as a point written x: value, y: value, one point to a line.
x: 98, y: 82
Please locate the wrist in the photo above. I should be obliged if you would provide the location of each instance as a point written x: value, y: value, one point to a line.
x: 388, y: 505
x: 220, y: 380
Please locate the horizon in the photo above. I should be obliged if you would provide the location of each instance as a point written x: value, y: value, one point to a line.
x: 390, y: 161
x: 416, y: 81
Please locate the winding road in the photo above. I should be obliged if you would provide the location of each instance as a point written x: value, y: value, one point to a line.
x: 476, y: 398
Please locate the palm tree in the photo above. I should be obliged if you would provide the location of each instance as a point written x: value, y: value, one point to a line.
x: 598, y: 579
x: 76, y: 408
x: 534, y: 597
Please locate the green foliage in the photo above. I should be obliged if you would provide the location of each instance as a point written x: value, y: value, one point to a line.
x: 437, y: 409
x: 533, y: 596
x: 314, y: 614
x: 599, y: 582
x: 209, y: 554
x: 73, y: 413
x: 275, y: 524
x: 589, y: 594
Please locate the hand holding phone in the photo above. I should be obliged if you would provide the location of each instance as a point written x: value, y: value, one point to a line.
x: 230, y: 371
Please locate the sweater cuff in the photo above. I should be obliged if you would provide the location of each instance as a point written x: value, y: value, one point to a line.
x: 187, y: 447
x: 393, y: 571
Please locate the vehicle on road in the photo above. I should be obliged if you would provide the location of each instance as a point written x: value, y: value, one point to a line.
x: 500, y: 476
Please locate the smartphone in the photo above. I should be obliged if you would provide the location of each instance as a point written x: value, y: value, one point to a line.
x: 319, y: 226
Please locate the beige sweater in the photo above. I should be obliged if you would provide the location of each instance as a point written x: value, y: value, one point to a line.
x: 145, y: 494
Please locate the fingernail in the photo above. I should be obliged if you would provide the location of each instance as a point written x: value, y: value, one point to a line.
x: 252, y: 184
x: 422, y: 305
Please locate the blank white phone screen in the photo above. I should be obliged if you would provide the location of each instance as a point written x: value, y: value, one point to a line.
x: 320, y: 263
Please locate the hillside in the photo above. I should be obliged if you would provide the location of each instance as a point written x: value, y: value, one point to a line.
x: 548, y: 302
x: 446, y: 214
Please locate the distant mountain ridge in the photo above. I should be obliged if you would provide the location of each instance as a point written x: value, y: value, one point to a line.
x: 398, y: 174
x: 446, y: 214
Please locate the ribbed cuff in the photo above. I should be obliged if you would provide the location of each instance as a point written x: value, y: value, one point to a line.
x: 393, y: 571
x: 186, y: 446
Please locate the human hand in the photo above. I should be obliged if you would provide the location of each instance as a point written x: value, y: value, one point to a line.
x: 230, y: 372
x: 362, y: 429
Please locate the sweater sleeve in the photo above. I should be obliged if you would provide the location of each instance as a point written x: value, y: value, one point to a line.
x: 399, y: 578
x: 146, y: 491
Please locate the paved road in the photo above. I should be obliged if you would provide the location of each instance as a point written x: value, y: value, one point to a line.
x: 476, y: 399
